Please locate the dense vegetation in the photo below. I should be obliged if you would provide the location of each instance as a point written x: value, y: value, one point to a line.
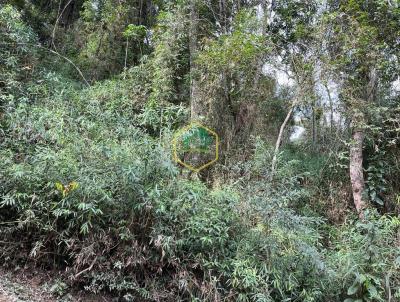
x: 91, y: 93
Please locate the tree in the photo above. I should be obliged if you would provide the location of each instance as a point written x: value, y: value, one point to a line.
x: 362, y: 39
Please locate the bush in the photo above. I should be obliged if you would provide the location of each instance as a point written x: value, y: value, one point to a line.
x: 364, y: 259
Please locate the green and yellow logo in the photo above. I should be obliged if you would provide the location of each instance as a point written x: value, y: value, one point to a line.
x: 195, y: 146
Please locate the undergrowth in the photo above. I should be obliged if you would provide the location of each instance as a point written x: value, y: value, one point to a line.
x: 87, y: 183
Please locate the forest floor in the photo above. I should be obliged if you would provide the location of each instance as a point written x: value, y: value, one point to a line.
x: 18, y: 287
x: 34, y: 286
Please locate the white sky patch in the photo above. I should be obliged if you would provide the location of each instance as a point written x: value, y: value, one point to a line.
x: 396, y: 85
x: 279, y: 74
x: 297, y: 133
x: 325, y: 102
x: 260, y: 12
x: 95, y: 5
x: 283, y: 79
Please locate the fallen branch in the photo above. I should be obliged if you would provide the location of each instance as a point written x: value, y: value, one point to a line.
x: 86, y: 269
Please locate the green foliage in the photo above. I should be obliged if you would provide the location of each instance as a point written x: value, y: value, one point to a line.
x: 87, y: 182
x: 108, y: 33
x: 58, y: 288
x: 364, y: 258
x: 17, y: 56
x: 236, y: 50
x: 170, y: 60
x: 380, y: 148
x: 229, y: 80
x: 361, y: 41
x: 294, y: 23
x: 197, y: 138
x: 136, y: 32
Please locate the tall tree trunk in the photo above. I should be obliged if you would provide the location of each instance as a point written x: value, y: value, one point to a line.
x: 126, y: 56
x: 314, y: 126
x: 197, y: 106
x: 356, y: 168
x: 356, y: 154
x: 222, y: 14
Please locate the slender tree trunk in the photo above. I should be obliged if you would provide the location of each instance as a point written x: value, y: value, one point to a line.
x: 126, y: 55
x: 222, y: 13
x: 356, y: 153
x: 197, y: 107
x: 279, y: 140
x: 314, y: 130
x: 356, y: 170
x: 330, y: 108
